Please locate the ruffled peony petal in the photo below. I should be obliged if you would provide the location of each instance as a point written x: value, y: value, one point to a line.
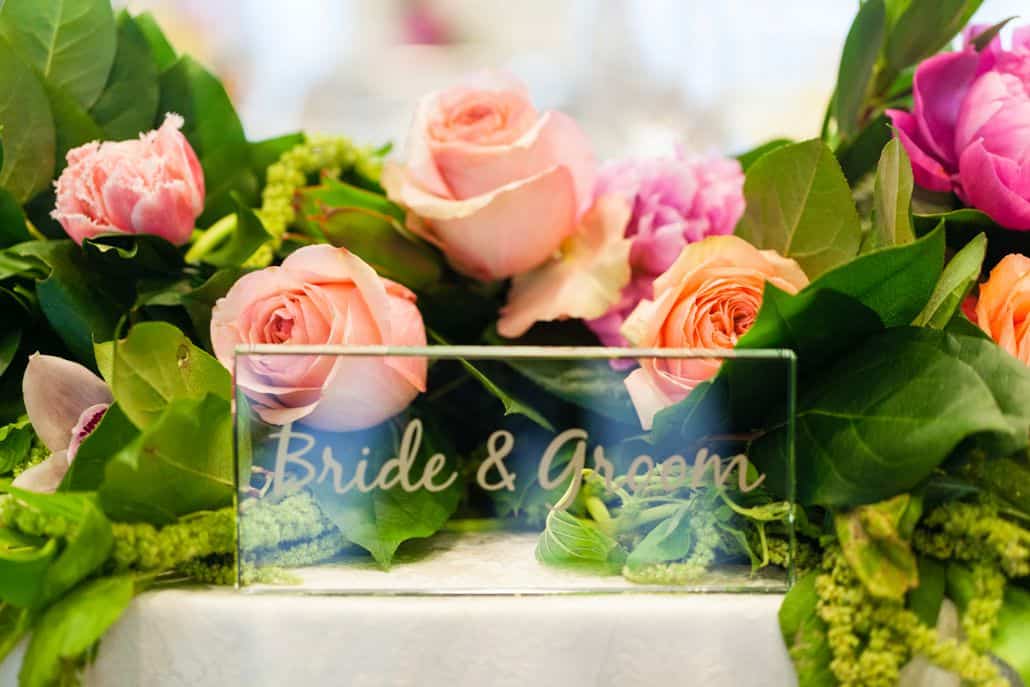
x: 56, y: 393
x: 926, y: 169
x: 180, y: 160
x: 488, y: 237
x: 166, y: 211
x: 939, y: 88
x: 983, y: 187
x: 45, y: 477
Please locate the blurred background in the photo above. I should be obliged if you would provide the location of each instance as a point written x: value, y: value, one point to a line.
x: 641, y: 76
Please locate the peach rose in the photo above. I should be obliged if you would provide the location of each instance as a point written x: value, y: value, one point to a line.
x: 150, y: 186
x: 492, y: 182
x: 321, y: 295
x: 1003, y: 310
x: 707, y: 300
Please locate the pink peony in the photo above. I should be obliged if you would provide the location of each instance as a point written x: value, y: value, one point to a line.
x: 675, y: 202
x: 969, y: 129
x: 321, y: 295
x: 153, y: 185
x: 495, y: 184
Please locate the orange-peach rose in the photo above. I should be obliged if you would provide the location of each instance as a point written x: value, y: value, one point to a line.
x: 495, y: 184
x: 1003, y: 310
x: 707, y: 300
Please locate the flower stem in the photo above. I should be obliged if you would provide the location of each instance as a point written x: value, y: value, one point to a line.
x: 210, y: 239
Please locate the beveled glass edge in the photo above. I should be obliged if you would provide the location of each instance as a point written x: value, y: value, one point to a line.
x: 516, y: 352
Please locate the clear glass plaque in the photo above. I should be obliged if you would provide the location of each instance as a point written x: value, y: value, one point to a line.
x: 514, y: 470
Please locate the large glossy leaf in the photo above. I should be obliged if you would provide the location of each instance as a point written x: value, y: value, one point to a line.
x: 155, y: 366
x: 892, y: 199
x: 70, y: 42
x: 215, y: 132
x: 72, y: 122
x: 128, y: 103
x: 861, y: 51
x: 923, y: 28
x: 880, y: 420
x: 27, y: 125
x: 804, y: 633
x: 72, y: 626
x: 161, y: 49
x: 181, y: 463
x: 955, y: 283
x: 895, y: 283
x: 799, y: 204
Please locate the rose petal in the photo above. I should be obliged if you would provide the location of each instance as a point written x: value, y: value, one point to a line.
x: 56, y: 392
x: 648, y: 399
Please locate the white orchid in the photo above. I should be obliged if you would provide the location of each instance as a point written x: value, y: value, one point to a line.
x: 65, y: 403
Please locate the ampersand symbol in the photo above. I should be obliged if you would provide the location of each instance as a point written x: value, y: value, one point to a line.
x: 498, y: 447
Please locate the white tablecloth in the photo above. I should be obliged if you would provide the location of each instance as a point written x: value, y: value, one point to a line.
x: 220, y: 638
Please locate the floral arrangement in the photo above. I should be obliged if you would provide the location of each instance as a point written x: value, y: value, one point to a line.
x: 143, y: 237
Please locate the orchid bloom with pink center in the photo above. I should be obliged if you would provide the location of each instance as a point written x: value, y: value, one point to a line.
x: 65, y: 403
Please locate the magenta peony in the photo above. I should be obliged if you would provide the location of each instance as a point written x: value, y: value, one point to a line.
x: 675, y: 201
x: 969, y: 129
x: 153, y: 185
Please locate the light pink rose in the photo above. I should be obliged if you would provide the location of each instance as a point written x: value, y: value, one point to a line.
x: 708, y: 299
x: 322, y: 295
x: 969, y: 128
x: 495, y: 184
x: 583, y: 281
x: 153, y: 185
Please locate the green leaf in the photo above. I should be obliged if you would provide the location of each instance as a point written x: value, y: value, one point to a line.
x: 130, y: 256
x: 15, y: 444
x: 568, y: 541
x: 878, y: 422
x: 381, y: 520
x: 87, y: 542
x: 923, y: 28
x: 214, y: 130
x: 861, y: 51
x: 876, y: 551
x: 372, y: 227
x: 964, y: 225
x: 804, y: 633
x: 1011, y: 641
x: 73, y: 124
x: 895, y: 283
x: 128, y: 104
x: 71, y: 42
x: 955, y: 283
x: 179, y: 464
x: 161, y: 49
x: 22, y: 572
x: 670, y: 540
x: 859, y: 155
x: 248, y: 235
x: 512, y: 405
x: 590, y: 384
x: 926, y: 599
x: 15, y: 623
x: 892, y: 199
x: 114, y: 433
x: 76, y: 300
x: 28, y: 127
x: 752, y: 156
x: 12, y: 220
x: 799, y: 204
x: 157, y: 365
x: 71, y: 627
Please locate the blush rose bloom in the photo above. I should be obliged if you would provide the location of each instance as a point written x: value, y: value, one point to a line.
x: 153, y: 185
x: 708, y: 299
x: 496, y: 185
x: 1003, y: 309
x: 969, y: 129
x: 675, y: 201
x: 322, y: 295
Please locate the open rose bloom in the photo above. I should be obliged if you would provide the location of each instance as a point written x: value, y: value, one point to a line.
x: 322, y: 295
x: 1003, y: 309
x: 708, y: 299
x: 153, y: 185
x: 969, y: 129
x: 494, y: 183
